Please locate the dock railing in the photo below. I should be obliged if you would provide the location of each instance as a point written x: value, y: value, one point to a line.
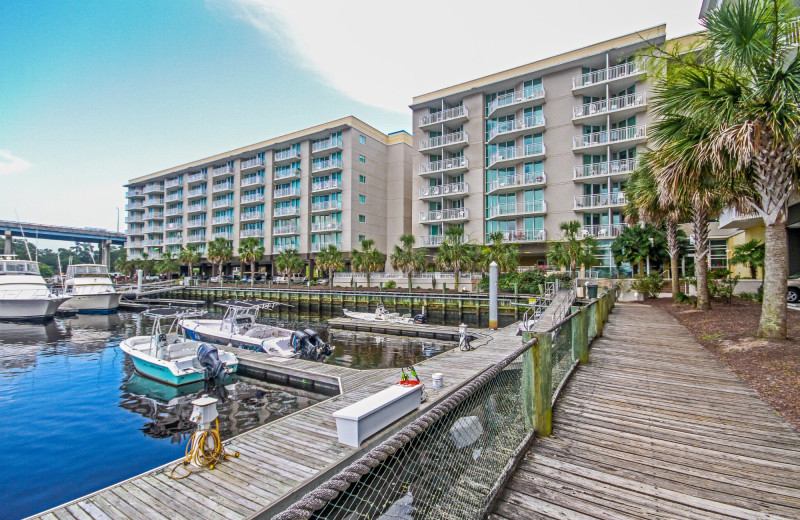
x: 453, y: 461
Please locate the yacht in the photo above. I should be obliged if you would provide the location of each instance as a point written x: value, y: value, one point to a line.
x: 91, y: 289
x: 24, y: 295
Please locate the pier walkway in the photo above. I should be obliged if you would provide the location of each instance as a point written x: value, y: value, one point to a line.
x: 655, y: 426
x: 282, y: 460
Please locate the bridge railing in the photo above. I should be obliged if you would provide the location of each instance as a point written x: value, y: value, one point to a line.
x: 453, y: 461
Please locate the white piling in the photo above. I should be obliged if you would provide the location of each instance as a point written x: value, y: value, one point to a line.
x: 493, y: 274
x: 139, y: 277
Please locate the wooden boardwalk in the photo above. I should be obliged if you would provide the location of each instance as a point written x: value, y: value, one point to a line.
x: 656, y: 427
x: 281, y: 460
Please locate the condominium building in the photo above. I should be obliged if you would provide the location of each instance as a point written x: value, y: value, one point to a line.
x: 524, y: 150
x: 336, y: 183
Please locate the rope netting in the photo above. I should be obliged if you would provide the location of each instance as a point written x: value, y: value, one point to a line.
x: 562, y: 352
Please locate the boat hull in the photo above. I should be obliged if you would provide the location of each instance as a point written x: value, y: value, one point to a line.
x: 30, y: 309
x: 93, y: 303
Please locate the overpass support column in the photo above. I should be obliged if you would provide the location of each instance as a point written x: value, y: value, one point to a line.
x: 105, y: 254
x: 7, y: 249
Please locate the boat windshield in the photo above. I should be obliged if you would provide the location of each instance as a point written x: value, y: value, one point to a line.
x: 87, y: 270
x: 19, y: 267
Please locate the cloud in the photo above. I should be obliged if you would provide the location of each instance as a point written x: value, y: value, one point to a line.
x: 10, y: 164
x: 384, y: 53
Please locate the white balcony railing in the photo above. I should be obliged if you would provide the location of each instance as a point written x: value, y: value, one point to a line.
x: 134, y: 243
x: 519, y: 180
x: 280, y: 248
x: 134, y: 218
x: 431, y: 240
x: 443, y: 165
x: 286, y: 192
x: 326, y: 144
x: 154, y: 229
x: 152, y: 242
x: 198, y: 177
x: 222, y: 203
x: 524, y: 235
x: 326, y: 164
x: 252, y: 197
x: 620, y: 71
x: 247, y: 233
x: 253, y: 162
x: 172, y: 197
x: 517, y: 125
x: 517, y: 152
x: 285, y: 155
x: 443, y: 115
x: 602, y: 230
x: 286, y: 211
x: 134, y: 231
x: 222, y: 186
x: 173, y: 240
x: 518, y: 96
x: 196, y: 222
x: 134, y: 192
x: 224, y: 219
x: 601, y: 200
x: 328, y: 205
x: 444, y: 190
x: 153, y: 188
x: 194, y: 208
x: 612, y: 136
x: 619, y: 167
x: 171, y: 183
x: 251, y: 215
x: 604, y: 106
x: 316, y: 247
x: 153, y: 202
x: 154, y: 215
x: 332, y: 184
x: 287, y: 173
x: 253, y: 180
x: 222, y: 170
x: 518, y: 208
x: 200, y: 191
x: 194, y: 239
x: 291, y: 229
x: 228, y: 235
x: 442, y: 215
x: 451, y: 139
x: 326, y: 227
x: 173, y: 211
x: 134, y: 206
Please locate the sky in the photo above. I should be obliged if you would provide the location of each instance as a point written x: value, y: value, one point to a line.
x: 94, y: 93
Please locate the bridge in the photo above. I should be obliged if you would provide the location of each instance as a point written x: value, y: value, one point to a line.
x: 28, y: 230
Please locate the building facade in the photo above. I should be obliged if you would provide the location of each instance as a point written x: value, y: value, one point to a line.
x: 524, y: 150
x: 336, y: 183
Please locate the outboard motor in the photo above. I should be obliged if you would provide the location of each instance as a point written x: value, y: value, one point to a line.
x: 322, y: 348
x: 299, y: 342
x: 208, y: 356
x: 420, y: 318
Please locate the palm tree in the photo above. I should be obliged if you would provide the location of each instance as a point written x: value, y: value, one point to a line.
x: 405, y: 259
x: 220, y: 251
x: 743, y: 86
x: 189, y: 255
x: 330, y: 260
x: 505, y: 255
x: 455, y: 253
x: 369, y: 259
x: 250, y: 251
x: 751, y: 254
x: 289, y: 262
x: 146, y: 264
x: 167, y: 264
x: 124, y: 265
x: 573, y: 251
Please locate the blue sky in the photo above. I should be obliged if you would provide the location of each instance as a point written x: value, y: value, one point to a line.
x: 93, y: 93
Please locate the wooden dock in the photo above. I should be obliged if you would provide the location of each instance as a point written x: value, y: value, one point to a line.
x: 420, y: 330
x: 282, y: 460
x: 657, y: 427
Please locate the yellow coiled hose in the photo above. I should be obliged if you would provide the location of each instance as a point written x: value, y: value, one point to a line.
x: 199, y: 453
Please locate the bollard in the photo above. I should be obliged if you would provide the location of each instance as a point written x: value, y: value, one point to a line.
x: 493, y: 295
x: 139, y: 277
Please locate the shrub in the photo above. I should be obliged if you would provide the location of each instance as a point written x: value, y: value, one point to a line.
x: 718, y: 273
x: 752, y: 296
x: 391, y: 284
x: 528, y: 282
x: 685, y: 298
x: 648, y: 285
x: 722, y: 288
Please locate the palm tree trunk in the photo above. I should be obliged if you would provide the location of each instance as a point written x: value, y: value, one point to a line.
x: 409, y: 282
x: 220, y: 274
x: 456, y: 280
x: 330, y: 278
x: 672, y: 247
x: 700, y: 230
x: 252, y: 273
x: 772, y: 324
x: 368, y: 279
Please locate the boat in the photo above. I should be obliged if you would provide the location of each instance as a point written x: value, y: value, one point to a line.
x: 239, y: 328
x: 24, y: 295
x: 167, y: 355
x: 91, y: 289
x: 381, y: 314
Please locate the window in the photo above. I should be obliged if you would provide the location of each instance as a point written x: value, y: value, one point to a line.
x: 362, y: 218
x: 362, y: 199
x: 361, y: 238
x: 362, y: 139
x: 362, y: 159
x: 362, y: 179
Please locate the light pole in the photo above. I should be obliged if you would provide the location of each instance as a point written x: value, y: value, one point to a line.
x: 117, y: 219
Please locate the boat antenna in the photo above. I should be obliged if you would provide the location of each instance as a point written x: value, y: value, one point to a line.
x: 24, y: 240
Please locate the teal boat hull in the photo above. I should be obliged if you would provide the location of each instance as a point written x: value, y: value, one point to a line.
x: 165, y: 375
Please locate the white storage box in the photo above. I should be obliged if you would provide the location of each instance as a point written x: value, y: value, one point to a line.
x: 368, y: 416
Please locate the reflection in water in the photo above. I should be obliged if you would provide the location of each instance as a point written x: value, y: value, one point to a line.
x: 360, y: 350
x: 20, y: 343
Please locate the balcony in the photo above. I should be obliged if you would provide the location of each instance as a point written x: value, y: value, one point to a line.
x: 621, y: 167
x: 247, y: 216
x: 454, y: 190
x: 596, y: 111
x: 153, y: 188
x: 431, y: 240
x: 325, y: 145
x: 173, y: 211
x: 515, y: 155
x: 509, y: 103
x: 134, y: 193
x: 451, y: 142
x: 253, y: 162
x: 137, y: 231
x: 511, y: 183
x: 224, y: 219
x: 326, y: 227
x: 154, y: 229
x: 247, y: 233
x: 527, y: 207
x: 134, y: 244
x: 316, y: 247
x: 222, y: 187
x: 601, y: 200
x: 197, y: 177
x: 616, y: 138
x: 200, y: 191
x: 523, y: 235
x: 133, y: 218
x: 149, y: 203
x: 291, y: 173
x: 252, y: 198
x: 602, y: 231
x: 286, y: 211
x: 732, y: 219
x: 450, y: 166
x: 154, y: 215
x: 326, y: 186
x: 173, y: 240
x: 452, y: 116
x: 196, y: 223
x: 444, y: 215
x: 221, y: 171
x: 329, y: 205
x: 603, y: 76
x: 155, y: 242
x: 286, y: 193
x: 171, y: 183
x: 255, y: 180
x: 194, y: 239
x: 173, y: 197
x: 227, y: 235
x: 326, y: 165
x: 277, y: 249
x: 508, y: 130
x: 286, y: 155
x: 291, y: 229
x: 196, y: 208
x: 222, y: 203
x: 134, y: 206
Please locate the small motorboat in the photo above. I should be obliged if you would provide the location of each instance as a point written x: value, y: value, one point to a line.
x: 91, y: 289
x: 239, y: 328
x: 381, y: 314
x: 166, y: 355
x: 23, y: 292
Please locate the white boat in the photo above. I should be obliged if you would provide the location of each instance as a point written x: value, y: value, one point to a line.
x: 239, y: 328
x: 381, y: 314
x: 166, y: 355
x: 91, y: 289
x: 24, y: 295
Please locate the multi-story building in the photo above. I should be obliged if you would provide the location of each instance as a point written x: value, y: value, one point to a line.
x: 524, y: 150
x: 336, y: 183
